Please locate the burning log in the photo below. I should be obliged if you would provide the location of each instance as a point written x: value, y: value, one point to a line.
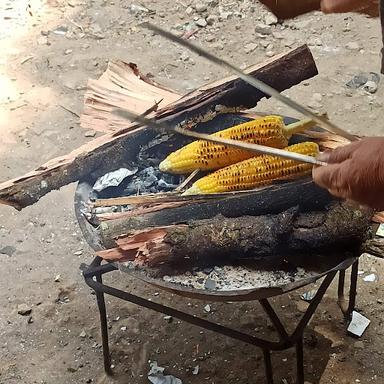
x: 124, y: 86
x: 204, y: 242
x: 304, y: 194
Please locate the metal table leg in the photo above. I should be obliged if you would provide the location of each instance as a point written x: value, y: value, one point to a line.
x: 93, y: 277
x: 104, y: 327
x: 348, y: 307
x: 268, y: 366
x: 300, y: 361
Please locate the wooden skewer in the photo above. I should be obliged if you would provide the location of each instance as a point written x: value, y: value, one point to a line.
x: 215, y: 139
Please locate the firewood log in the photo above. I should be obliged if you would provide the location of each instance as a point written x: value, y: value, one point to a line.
x: 207, y: 242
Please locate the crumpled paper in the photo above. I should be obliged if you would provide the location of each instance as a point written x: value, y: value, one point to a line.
x: 113, y: 179
x: 156, y: 375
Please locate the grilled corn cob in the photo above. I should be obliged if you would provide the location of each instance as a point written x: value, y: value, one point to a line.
x: 270, y: 131
x: 255, y: 172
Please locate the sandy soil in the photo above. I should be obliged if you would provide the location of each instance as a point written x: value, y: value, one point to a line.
x: 44, y: 72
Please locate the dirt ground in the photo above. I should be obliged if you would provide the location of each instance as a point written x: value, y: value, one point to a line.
x: 49, y: 51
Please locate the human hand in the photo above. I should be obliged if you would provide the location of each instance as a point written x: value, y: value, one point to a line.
x: 370, y: 7
x: 355, y: 172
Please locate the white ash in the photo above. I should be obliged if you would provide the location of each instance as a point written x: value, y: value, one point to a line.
x: 226, y: 278
x: 229, y: 278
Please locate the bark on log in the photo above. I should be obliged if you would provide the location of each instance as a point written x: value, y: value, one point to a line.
x: 374, y: 247
x: 211, y: 241
x: 111, y: 150
x: 302, y: 193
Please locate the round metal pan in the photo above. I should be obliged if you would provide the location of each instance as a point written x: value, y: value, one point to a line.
x: 313, y: 267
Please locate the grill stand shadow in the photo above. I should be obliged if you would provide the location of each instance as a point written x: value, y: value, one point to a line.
x: 93, y: 278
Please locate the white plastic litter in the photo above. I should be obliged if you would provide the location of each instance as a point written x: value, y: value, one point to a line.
x: 358, y: 324
x: 370, y: 278
x: 380, y: 230
x: 113, y: 179
x: 156, y: 375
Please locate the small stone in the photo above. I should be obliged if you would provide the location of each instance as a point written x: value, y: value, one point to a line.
x: 270, y: 54
x: 218, y: 46
x: 189, y: 11
x: 90, y: 134
x: 353, y: 46
x: 359, y: 345
x: 68, y: 51
x: 278, y: 35
x: 263, y: 29
x: 42, y: 40
x: 211, y: 19
x: 370, y: 86
x: 8, y: 250
x: 225, y: 15
x: 169, y: 319
x: 78, y: 253
x: 195, y: 370
x: 201, y: 23
x: 250, y: 47
x: 302, y: 306
x: 184, y: 56
x: 61, y: 31
x: 264, y: 44
x: 209, y: 38
x: 30, y: 320
x: 57, y: 278
x: 270, y: 47
x: 123, y: 328
x: 207, y: 308
x: 315, y: 105
x: 200, y: 7
x: 24, y: 309
x: 271, y: 19
x: 83, y: 334
x: 379, y: 301
x: 161, y: 14
x: 317, y: 97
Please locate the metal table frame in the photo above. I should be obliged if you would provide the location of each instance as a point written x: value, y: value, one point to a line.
x: 93, y: 278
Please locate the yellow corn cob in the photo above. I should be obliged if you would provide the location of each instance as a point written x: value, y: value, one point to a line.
x: 255, y: 172
x: 270, y: 131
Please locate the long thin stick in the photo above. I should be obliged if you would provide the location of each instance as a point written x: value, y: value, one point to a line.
x: 258, y: 84
x: 215, y: 139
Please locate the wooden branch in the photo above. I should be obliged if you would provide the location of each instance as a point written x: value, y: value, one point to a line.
x: 208, y: 241
x: 111, y: 150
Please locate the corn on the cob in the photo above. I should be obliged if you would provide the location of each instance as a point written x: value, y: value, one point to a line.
x: 270, y: 131
x: 255, y: 172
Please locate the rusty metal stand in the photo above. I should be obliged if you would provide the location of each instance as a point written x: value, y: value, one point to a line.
x: 93, y: 278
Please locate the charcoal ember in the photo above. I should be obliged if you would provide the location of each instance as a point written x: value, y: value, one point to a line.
x: 157, y: 149
x: 163, y: 185
x: 151, y: 180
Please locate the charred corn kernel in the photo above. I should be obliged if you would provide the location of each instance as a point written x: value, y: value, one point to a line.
x: 270, y: 131
x: 255, y: 172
